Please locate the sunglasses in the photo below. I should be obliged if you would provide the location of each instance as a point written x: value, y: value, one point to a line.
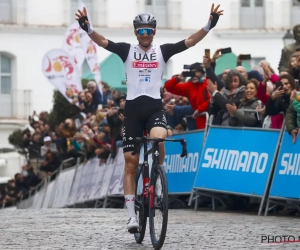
x: 143, y: 31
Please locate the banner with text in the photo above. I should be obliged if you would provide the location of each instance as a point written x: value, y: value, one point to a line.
x: 181, y: 172
x: 287, y: 172
x: 234, y: 160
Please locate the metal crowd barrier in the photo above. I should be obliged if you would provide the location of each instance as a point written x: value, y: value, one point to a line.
x: 221, y: 160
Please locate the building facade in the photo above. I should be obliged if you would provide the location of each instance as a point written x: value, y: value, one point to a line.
x: 28, y: 29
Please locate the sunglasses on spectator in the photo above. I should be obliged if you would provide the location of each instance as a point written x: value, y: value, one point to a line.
x: 142, y: 31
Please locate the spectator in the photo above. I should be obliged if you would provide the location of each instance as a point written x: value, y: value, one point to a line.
x: 94, y: 90
x: 34, y: 147
x: 51, y: 163
x: 280, y: 98
x: 232, y: 93
x: 48, y: 145
x: 291, y: 123
x: 240, y: 118
x: 195, y: 90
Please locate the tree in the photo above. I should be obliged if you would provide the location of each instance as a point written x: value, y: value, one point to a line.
x: 16, y: 139
x: 62, y: 109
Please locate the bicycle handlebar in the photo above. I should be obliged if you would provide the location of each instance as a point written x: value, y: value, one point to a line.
x: 139, y: 142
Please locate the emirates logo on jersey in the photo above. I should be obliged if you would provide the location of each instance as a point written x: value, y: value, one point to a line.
x: 147, y: 65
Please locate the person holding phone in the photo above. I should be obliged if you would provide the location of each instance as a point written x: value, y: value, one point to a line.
x: 144, y: 65
x: 195, y: 90
x: 281, y: 97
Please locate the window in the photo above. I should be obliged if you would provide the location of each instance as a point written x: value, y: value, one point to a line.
x: 252, y: 14
x: 159, y: 9
x: 295, y: 13
x: 6, y: 11
x: 245, y: 3
x: 259, y: 3
x: 74, y: 7
x: 5, y: 75
x: 296, y: 3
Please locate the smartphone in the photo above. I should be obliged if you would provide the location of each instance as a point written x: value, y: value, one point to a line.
x: 186, y: 66
x: 100, y: 106
x: 188, y: 73
x: 77, y: 123
x: 278, y: 84
x: 207, y: 53
x: 225, y: 51
x: 121, y: 111
x: 245, y: 57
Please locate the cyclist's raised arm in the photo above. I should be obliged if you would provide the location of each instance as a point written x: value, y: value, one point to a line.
x: 199, y: 35
x: 85, y: 25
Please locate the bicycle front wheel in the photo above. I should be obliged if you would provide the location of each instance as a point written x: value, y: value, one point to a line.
x: 158, y: 211
x: 140, y: 206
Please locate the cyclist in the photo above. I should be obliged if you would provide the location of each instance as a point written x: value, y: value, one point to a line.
x: 144, y: 66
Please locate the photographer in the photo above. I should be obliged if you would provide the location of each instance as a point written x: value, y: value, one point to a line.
x: 195, y: 90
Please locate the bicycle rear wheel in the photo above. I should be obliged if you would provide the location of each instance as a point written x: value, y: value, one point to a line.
x: 140, y: 206
x: 158, y: 207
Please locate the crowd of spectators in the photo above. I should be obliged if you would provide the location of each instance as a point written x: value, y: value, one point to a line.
x: 238, y: 98
x: 96, y: 131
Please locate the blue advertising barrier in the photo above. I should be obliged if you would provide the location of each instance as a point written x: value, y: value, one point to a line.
x: 181, y: 172
x: 286, y: 178
x: 237, y: 160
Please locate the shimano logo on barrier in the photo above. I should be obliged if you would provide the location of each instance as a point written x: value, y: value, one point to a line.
x: 234, y: 160
x: 290, y: 164
x: 176, y: 164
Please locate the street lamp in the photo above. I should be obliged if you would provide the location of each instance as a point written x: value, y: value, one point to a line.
x: 288, y: 38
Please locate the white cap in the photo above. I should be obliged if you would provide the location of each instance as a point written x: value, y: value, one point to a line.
x: 47, y: 138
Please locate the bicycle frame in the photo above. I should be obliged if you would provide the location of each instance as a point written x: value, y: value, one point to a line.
x: 147, y: 177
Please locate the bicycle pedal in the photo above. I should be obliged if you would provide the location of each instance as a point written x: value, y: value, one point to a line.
x: 133, y: 230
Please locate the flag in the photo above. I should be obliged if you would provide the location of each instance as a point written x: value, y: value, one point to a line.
x: 60, y: 69
x: 72, y: 45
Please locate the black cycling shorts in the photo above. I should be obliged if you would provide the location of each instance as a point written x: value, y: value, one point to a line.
x: 141, y: 113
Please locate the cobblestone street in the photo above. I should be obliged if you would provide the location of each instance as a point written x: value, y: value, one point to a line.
x: 105, y: 229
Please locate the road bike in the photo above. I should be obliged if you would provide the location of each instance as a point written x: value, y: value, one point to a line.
x: 151, y: 192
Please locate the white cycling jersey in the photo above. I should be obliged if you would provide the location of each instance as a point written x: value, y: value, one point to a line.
x: 144, y: 70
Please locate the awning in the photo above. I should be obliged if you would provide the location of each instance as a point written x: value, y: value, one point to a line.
x: 228, y: 61
x: 112, y: 72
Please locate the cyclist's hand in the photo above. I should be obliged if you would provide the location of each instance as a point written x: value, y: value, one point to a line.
x: 215, y: 13
x: 84, y: 21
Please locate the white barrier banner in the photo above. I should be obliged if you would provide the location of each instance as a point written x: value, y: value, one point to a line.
x: 38, y: 198
x: 73, y: 194
x: 97, y: 180
x: 63, y: 186
x: 102, y: 187
x: 89, y: 178
x: 81, y: 187
x: 116, y: 181
x: 47, y: 200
